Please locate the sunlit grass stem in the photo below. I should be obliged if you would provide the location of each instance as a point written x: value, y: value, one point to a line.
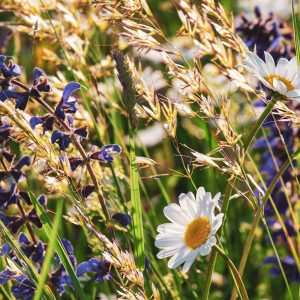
x: 229, y: 190
x: 257, y: 217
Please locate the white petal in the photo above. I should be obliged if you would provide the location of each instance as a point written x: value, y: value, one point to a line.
x: 189, y: 261
x: 175, y: 214
x: 205, y: 205
x: 166, y: 252
x: 189, y: 205
x: 217, y: 222
x: 200, y: 193
x: 216, y: 200
x: 281, y: 68
x: 211, y: 209
x: 251, y: 67
x: 179, y: 258
x: 170, y: 228
x: 259, y: 63
x: 296, y: 81
x: 165, y: 241
x: 211, y: 240
x: 292, y: 68
x: 279, y: 86
x: 293, y: 94
x: 265, y: 82
x: 270, y: 63
x: 206, y: 248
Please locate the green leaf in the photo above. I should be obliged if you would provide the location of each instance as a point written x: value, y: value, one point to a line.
x: 49, y: 254
x: 59, y: 247
x: 137, y: 219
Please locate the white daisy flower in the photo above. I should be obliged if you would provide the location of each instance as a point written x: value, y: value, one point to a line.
x: 283, y: 78
x: 192, y: 231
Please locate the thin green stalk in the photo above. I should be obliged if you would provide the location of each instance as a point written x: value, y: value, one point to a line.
x: 49, y: 254
x: 138, y: 232
x: 4, y: 293
x: 293, y: 217
x: 236, y: 276
x: 229, y: 189
x: 296, y: 31
x: 28, y: 269
x: 259, y: 122
x: 257, y: 217
x: 214, y: 253
x: 59, y: 247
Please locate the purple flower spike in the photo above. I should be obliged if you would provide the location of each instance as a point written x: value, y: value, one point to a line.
x: 75, y: 162
x: 8, y: 197
x: 25, y: 289
x: 25, y: 197
x: 288, y: 264
x: 4, y: 133
x: 123, y: 219
x: 61, y: 139
x: 5, y: 220
x: 26, y: 246
x: 24, y: 161
x: 16, y: 171
x: 106, y: 153
x: 69, y: 89
x: 67, y: 104
x: 60, y: 280
x: 10, y: 70
x: 40, y: 81
x: 39, y: 253
x: 36, y: 252
x: 34, y: 121
x: 20, y: 97
x: 47, y: 122
x: 43, y: 200
x: 33, y: 218
x: 82, y: 132
x: 87, y: 190
x: 5, y: 276
x: 70, y: 251
x: 101, y: 268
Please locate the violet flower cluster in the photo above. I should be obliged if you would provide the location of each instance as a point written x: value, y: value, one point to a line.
x: 13, y: 172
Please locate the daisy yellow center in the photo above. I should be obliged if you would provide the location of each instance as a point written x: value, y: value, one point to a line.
x: 286, y: 82
x: 197, y: 232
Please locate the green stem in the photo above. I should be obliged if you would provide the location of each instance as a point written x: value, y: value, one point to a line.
x: 257, y: 217
x: 214, y: 253
x: 259, y: 122
x: 229, y: 190
x: 236, y: 276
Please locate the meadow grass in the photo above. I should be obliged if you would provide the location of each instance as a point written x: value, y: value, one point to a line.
x: 148, y: 101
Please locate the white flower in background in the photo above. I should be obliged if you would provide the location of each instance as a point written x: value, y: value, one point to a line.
x: 283, y: 78
x: 192, y: 231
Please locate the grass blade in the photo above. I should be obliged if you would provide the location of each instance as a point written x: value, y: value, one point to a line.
x: 27, y: 266
x: 296, y: 31
x: 59, y: 247
x: 49, y: 254
x: 235, y: 274
x: 138, y: 233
